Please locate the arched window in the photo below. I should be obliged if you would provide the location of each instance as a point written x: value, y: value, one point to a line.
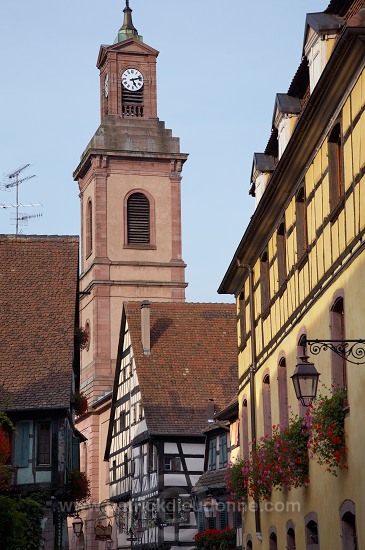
x: 348, y: 525
x: 283, y: 393
x: 138, y: 219
x: 337, y: 323
x: 301, y: 224
x: 273, y: 541
x: 311, y: 531
x: 281, y: 253
x: 290, y: 536
x: 244, y: 429
x: 265, y: 281
x: 266, y: 403
x: 89, y: 228
x: 249, y: 542
x: 335, y: 165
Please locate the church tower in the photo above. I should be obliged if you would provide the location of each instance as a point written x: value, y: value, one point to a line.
x: 129, y: 178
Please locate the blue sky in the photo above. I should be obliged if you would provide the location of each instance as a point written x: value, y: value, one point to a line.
x: 220, y: 65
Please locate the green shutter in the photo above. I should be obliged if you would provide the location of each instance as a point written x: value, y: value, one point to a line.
x: 21, y: 446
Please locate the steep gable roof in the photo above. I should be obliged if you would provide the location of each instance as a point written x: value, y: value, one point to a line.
x: 193, y: 359
x: 38, y: 279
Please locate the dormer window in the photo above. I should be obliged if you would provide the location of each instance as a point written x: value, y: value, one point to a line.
x: 286, y: 111
x: 319, y: 39
x: 262, y: 167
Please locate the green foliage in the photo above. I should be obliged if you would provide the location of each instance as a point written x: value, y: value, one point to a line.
x: 326, y: 421
x: 5, y: 421
x: 78, y: 487
x: 20, y: 524
x: 235, y: 482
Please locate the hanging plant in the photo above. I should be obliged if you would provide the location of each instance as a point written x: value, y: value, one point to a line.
x: 235, y: 481
x: 81, y: 338
x: 80, y: 403
x: 279, y: 462
x: 77, y: 487
x: 325, y: 419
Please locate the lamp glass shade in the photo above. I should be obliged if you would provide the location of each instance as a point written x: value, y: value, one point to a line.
x: 77, y: 526
x: 210, y: 507
x: 305, y: 381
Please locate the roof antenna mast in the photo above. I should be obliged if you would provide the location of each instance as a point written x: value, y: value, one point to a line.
x: 13, y: 180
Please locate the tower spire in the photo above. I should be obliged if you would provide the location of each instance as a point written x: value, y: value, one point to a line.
x: 128, y: 30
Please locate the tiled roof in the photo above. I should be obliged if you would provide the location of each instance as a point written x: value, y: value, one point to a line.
x: 193, y: 359
x: 38, y: 279
x: 215, y: 479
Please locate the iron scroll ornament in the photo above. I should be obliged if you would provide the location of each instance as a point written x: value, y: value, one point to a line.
x: 353, y: 351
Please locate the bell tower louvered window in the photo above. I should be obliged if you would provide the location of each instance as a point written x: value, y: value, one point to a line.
x: 138, y: 213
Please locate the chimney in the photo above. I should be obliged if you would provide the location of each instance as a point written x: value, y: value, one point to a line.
x: 146, y: 327
x: 210, y: 410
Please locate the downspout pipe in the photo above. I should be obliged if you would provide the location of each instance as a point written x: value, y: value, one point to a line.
x: 252, y: 387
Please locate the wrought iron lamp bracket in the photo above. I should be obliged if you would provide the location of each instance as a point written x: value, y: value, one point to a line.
x: 353, y: 351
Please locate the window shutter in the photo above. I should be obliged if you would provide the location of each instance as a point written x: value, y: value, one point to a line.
x: 21, y: 451
x: 223, y: 515
x: 138, y: 212
x: 200, y: 518
x: 75, y: 453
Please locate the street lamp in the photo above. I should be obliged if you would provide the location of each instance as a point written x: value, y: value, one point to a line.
x: 210, y: 510
x: 77, y: 526
x: 305, y: 381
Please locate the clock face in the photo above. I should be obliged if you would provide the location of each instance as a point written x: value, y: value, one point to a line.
x: 106, y: 85
x: 132, y: 80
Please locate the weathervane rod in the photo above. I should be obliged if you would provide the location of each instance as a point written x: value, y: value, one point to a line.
x: 127, y: 3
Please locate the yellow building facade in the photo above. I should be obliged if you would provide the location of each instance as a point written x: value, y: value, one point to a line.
x: 298, y: 272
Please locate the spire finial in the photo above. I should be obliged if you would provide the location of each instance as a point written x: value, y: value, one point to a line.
x: 128, y: 30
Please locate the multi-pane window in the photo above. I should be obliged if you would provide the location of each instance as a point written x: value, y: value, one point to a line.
x: 152, y: 457
x: 43, y: 443
x: 212, y: 462
x: 138, y: 219
x: 223, y: 451
x: 172, y: 463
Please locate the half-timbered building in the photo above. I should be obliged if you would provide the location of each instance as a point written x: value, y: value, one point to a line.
x: 212, y: 500
x: 298, y: 278
x: 176, y: 367
x: 40, y: 370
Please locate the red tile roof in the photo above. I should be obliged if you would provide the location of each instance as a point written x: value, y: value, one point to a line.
x: 193, y: 359
x: 38, y: 279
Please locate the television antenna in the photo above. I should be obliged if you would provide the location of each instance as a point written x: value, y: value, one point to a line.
x: 11, y: 180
